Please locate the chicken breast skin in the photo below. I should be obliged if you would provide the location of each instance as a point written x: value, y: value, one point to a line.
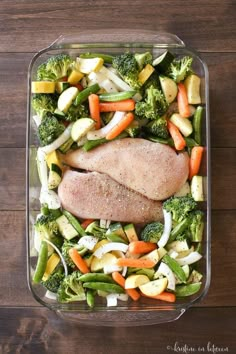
x: 95, y: 195
x: 154, y: 170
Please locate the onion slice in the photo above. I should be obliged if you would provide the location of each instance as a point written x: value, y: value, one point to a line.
x: 101, y: 133
x: 59, y: 254
x: 88, y: 242
x: 190, y: 259
x: 50, y: 198
x: 167, y: 229
x: 108, y: 269
x: 167, y: 272
x: 50, y: 295
x: 108, y: 247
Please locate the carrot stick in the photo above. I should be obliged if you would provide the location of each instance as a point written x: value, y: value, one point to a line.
x: 182, y: 100
x: 179, y: 141
x: 195, y: 160
x: 119, y: 279
x: 125, y: 105
x: 119, y: 127
x: 94, y: 109
x: 137, y: 247
x: 86, y: 223
x: 135, y: 263
x: 165, y: 296
x: 78, y: 260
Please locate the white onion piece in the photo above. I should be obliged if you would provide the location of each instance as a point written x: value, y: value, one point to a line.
x: 42, y: 168
x: 50, y: 295
x: 173, y: 254
x: 59, y: 141
x: 109, y: 86
x: 37, y: 120
x: 108, y: 269
x: 123, y: 86
x: 50, y: 198
x: 190, y: 259
x: 111, y: 300
x: 122, y: 297
x: 88, y: 242
x: 59, y: 254
x: 124, y: 271
x: 167, y: 272
x: 101, y: 133
x: 167, y: 229
x: 103, y: 223
x: 108, y: 247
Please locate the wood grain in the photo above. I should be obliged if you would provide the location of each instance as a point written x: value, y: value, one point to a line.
x: 213, y: 27
x: 40, y: 331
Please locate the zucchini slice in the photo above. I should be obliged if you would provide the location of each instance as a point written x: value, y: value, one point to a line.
x: 197, y: 188
x: 66, y: 98
x: 163, y: 62
x: 169, y: 88
x: 54, y: 177
x: 81, y: 127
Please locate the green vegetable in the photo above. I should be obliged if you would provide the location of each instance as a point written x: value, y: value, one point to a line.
x: 156, y: 139
x: 76, y: 112
x: 133, y: 129
x: 54, y: 280
x: 96, y: 230
x: 187, y: 290
x: 197, y: 124
x: 116, y: 96
x: 90, y: 297
x: 96, y: 277
x: 115, y: 238
x: 83, y: 95
x: 54, y: 68
x: 107, y: 58
x: 67, y: 245
x: 66, y: 146
x: 180, y: 68
x: 74, y: 222
x: 197, y: 225
x: 143, y: 59
x: 179, y: 207
x: 110, y: 288
x: 153, y: 106
x: 47, y: 226
x: 91, y: 144
x: 158, y: 127
x: 127, y: 67
x: 190, y: 142
x: 41, y: 262
x: 71, y: 289
x: 49, y: 129
x: 179, y: 229
x: 175, y: 267
x: 153, y: 80
x: 43, y: 103
x: 163, y: 62
x: 152, y: 232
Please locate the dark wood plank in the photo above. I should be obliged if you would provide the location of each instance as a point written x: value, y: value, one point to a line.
x: 41, y: 331
x: 15, y: 291
x: 13, y: 94
x: 29, y: 25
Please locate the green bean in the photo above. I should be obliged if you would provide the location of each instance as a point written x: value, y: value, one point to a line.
x: 96, y: 277
x: 191, y: 142
x: 198, y: 247
x: 41, y: 263
x: 115, y: 238
x: 175, y: 267
x: 83, y: 95
x: 197, y: 122
x: 110, y: 288
x: 187, y: 290
x: 155, y: 139
x: 116, y: 96
x: 107, y: 58
x: 74, y: 222
x: 91, y: 144
x: 179, y: 229
x: 90, y: 297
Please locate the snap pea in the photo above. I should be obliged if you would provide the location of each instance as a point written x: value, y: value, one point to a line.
x: 91, y: 144
x: 155, y: 139
x: 41, y: 263
x: 187, y: 290
x: 83, y: 95
x: 115, y: 238
x: 107, y: 58
x: 179, y: 229
x: 116, y: 96
x: 90, y: 297
x: 191, y: 142
x: 74, y: 222
x: 175, y: 267
x: 108, y: 287
x: 197, y: 123
x: 96, y: 277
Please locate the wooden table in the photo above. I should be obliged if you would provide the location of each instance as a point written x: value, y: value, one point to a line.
x: 26, y: 26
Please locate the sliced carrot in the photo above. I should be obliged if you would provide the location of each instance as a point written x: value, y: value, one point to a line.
x: 165, y: 296
x: 137, y: 247
x: 119, y: 279
x: 78, y: 260
x: 135, y: 263
x: 125, y: 105
x: 86, y: 223
x: 122, y: 125
x: 182, y: 99
x: 195, y: 160
x: 94, y: 109
x: 179, y: 141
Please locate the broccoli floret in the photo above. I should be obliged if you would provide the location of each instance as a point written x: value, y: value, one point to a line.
x: 127, y: 67
x: 67, y: 245
x: 197, y: 225
x: 152, y: 232
x: 180, y: 68
x: 43, y: 103
x: 180, y: 207
x: 71, y: 289
x: 95, y: 230
x: 76, y: 112
x: 54, y: 68
x: 133, y: 129
x: 143, y: 59
x: 154, y: 105
x: 54, y: 280
x: 49, y: 129
x: 47, y: 226
x: 158, y: 127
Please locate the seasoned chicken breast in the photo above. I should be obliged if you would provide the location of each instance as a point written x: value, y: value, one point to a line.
x: 94, y: 195
x: 151, y: 169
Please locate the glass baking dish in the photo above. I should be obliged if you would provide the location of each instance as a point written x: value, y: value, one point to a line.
x: 145, y: 311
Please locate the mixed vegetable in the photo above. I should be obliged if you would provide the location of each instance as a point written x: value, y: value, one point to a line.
x: 90, y: 100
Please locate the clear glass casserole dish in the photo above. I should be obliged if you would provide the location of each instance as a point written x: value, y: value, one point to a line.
x: 145, y: 311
